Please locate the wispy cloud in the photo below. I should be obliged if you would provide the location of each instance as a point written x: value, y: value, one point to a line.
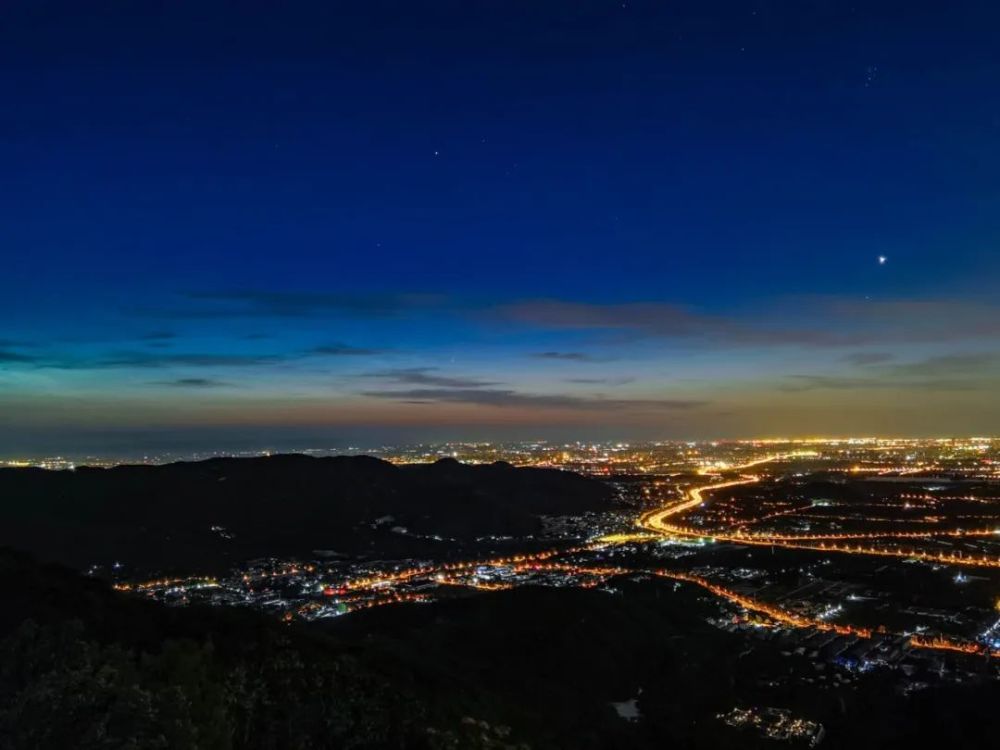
x: 10, y: 356
x: 193, y: 383
x: 601, y: 381
x: 568, y: 356
x: 665, y: 320
x: 906, y: 320
x: 345, y: 350
x: 427, y: 376
x: 284, y: 304
x: 797, y: 383
x: 153, y: 360
x: 158, y: 336
x: 868, y: 358
x: 126, y: 359
x: 510, y: 398
x: 816, y: 322
x: 946, y: 372
x: 949, y: 364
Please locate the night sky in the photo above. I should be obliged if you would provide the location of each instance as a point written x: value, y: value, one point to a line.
x: 311, y: 224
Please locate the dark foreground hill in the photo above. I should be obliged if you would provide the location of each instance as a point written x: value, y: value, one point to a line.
x: 84, y: 667
x: 216, y: 512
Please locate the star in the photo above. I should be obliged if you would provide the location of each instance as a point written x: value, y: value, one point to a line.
x: 881, y: 260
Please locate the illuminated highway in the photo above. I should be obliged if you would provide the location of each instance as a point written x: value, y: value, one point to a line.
x: 658, y: 521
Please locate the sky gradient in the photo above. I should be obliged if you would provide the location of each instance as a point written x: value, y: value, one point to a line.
x: 253, y: 225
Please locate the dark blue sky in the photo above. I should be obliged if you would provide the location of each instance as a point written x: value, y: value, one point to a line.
x: 497, y: 219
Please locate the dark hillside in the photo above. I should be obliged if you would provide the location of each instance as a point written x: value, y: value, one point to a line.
x: 163, y: 516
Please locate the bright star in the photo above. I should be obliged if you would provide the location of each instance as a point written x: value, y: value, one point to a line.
x: 881, y: 260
